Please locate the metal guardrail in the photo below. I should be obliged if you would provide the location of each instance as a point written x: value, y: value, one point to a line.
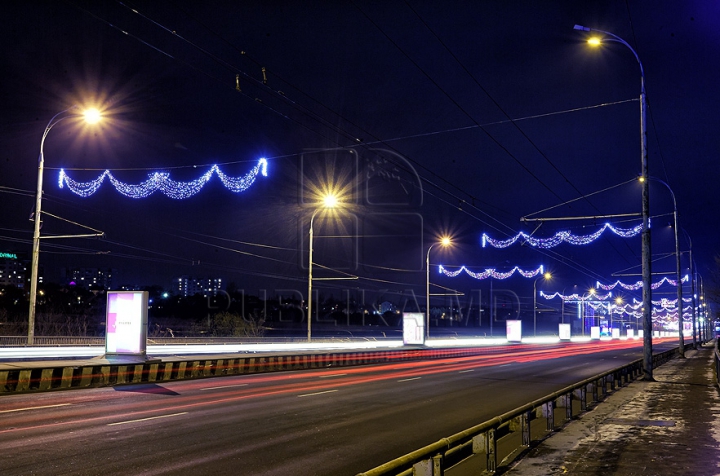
x: 716, y: 357
x: 482, y: 440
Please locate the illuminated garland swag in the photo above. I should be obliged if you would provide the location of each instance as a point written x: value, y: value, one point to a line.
x: 491, y: 273
x: 161, y: 181
x: 560, y: 237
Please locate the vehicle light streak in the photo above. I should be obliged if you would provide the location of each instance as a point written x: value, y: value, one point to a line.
x: 304, y: 382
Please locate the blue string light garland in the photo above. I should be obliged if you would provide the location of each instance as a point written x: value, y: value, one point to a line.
x: 491, y: 272
x: 638, y: 285
x: 161, y: 181
x: 560, y: 237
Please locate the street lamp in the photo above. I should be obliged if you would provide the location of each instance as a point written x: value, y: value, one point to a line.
x: 646, y: 252
x: 618, y: 303
x: 692, y: 290
x: 582, y: 305
x: 681, y: 342
x: 91, y: 116
x: 547, y: 276
x: 444, y: 242
x: 329, y: 202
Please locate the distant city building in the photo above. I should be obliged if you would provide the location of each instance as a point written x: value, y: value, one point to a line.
x: 105, y: 277
x: 190, y: 286
x: 386, y: 306
x: 14, y: 270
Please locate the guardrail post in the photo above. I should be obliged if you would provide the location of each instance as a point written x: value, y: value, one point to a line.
x: 491, y: 450
x: 525, y: 428
x: 596, y: 397
x: 429, y: 467
x: 550, y: 415
x: 604, y: 386
x: 581, y: 394
x: 568, y: 406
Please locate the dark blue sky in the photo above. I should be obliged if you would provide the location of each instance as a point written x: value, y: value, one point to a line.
x: 418, y: 97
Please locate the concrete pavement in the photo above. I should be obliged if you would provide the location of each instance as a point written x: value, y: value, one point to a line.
x: 667, y: 427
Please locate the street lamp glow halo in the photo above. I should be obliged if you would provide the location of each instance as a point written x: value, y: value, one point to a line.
x: 92, y: 115
x: 330, y: 201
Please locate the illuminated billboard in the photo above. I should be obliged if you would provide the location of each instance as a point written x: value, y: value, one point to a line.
x: 514, y: 330
x: 595, y: 332
x: 564, y: 331
x: 126, y: 322
x: 413, y: 328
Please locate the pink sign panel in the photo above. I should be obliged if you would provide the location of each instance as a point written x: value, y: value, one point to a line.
x: 126, y: 321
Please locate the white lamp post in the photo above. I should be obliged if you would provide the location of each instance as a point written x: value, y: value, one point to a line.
x: 445, y: 241
x: 330, y: 201
x: 646, y: 250
x: 546, y: 276
x: 92, y: 116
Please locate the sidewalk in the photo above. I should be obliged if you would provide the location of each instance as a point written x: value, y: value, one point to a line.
x: 667, y: 427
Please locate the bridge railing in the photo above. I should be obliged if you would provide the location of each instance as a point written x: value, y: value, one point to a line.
x: 716, y: 357
x: 481, y: 441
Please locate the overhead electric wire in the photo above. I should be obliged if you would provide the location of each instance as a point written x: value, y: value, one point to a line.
x: 497, y: 105
x: 461, y: 201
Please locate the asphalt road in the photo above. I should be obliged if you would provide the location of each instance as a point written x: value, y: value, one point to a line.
x: 320, y: 422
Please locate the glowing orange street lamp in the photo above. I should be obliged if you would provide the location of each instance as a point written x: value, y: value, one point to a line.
x: 91, y: 116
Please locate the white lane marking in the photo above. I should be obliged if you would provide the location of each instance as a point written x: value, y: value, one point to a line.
x: 331, y: 376
x: 464, y: 371
x: 146, y: 419
x: 316, y: 393
x: 35, y: 408
x: 408, y: 379
x: 503, y: 365
x: 224, y: 386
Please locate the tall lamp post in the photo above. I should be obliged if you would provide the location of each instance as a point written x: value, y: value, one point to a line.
x: 91, y: 116
x: 681, y: 338
x: 445, y: 241
x: 329, y: 201
x: 692, y: 291
x: 547, y: 276
x: 646, y: 252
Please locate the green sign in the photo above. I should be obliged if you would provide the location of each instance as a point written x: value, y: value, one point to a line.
x: 8, y: 255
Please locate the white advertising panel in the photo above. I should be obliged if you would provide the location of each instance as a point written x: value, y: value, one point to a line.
x: 514, y: 330
x: 564, y: 331
x: 595, y: 332
x: 126, y: 322
x: 615, y: 333
x: 641, y: 333
x: 630, y: 333
x: 413, y: 328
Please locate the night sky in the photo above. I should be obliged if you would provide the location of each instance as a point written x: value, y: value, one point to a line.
x: 430, y: 118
